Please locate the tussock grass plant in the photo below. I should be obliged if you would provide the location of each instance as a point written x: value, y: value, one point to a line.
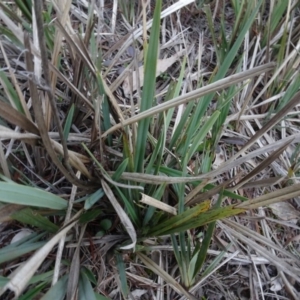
x: 148, y: 149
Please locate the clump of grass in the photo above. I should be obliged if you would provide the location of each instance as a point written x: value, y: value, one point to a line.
x: 125, y: 177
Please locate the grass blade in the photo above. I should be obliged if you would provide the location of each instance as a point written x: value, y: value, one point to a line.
x: 149, y: 88
x: 29, y: 196
x: 68, y: 123
x: 85, y: 288
x: 122, y: 275
x: 58, y: 291
x: 30, y: 217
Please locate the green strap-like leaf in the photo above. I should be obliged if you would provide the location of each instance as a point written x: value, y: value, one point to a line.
x: 29, y: 196
x: 28, y: 216
x: 148, y: 88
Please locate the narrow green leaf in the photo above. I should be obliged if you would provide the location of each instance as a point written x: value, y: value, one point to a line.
x: 122, y: 275
x: 182, y: 218
x: 89, y: 274
x: 100, y: 297
x: 68, y: 123
x: 8, y: 254
x: 105, y: 106
x: 206, y: 241
x: 29, y: 239
x: 85, y: 288
x: 196, y: 220
x: 30, y: 217
x: 215, y: 263
x: 23, y: 7
x: 192, y: 267
x: 24, y: 195
x: 33, y: 292
x: 202, y: 133
x: 130, y: 208
x: 148, y: 88
x: 151, y: 210
x: 92, y: 199
x: 174, y: 92
x: 11, y: 91
x: 3, y: 281
x: 121, y: 168
x: 225, y: 65
x: 89, y: 216
x: 289, y: 94
x: 45, y: 277
x: 58, y: 291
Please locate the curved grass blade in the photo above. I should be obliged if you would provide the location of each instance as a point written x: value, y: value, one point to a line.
x: 121, y: 213
x: 29, y: 196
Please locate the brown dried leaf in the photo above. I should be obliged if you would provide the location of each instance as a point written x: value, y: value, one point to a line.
x: 16, y: 118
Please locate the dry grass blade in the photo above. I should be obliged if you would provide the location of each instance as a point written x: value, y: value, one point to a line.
x: 273, y: 197
x: 163, y: 274
x: 16, y: 84
x: 77, y: 47
x: 3, y: 162
x: 72, y: 87
x: 45, y: 64
x: 75, y: 269
x: 214, y: 191
x: 23, y: 274
x: 259, y: 238
x: 64, y: 18
x: 213, y: 87
x: 196, y: 190
x: 158, y: 204
x: 262, y: 166
x: 16, y: 118
x: 75, y: 160
x: 41, y: 123
x: 138, y: 32
x: 158, y: 179
x: 198, y: 284
x: 62, y: 241
x: 82, y: 53
x: 7, y: 210
x: 291, y: 105
x: 121, y: 213
x: 281, y: 264
x: 263, y: 182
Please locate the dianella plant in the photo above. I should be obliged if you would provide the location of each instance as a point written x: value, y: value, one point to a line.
x: 148, y: 143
